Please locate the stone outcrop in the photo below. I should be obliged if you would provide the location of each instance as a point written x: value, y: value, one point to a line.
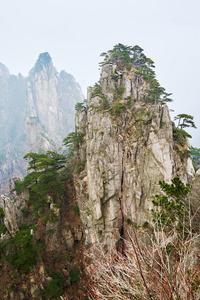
x: 129, y: 147
x: 61, y: 246
x: 124, y: 143
x: 36, y: 113
x: 13, y: 207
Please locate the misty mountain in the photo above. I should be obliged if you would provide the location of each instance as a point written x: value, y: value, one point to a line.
x: 36, y: 113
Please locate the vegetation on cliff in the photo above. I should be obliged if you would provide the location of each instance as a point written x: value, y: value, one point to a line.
x: 165, y: 266
x: 45, y: 184
x: 133, y: 59
x: 34, y: 117
x: 128, y: 140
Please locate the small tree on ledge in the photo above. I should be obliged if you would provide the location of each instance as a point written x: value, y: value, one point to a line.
x: 184, y: 121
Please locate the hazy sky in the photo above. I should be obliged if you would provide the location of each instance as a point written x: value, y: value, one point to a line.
x: 76, y: 32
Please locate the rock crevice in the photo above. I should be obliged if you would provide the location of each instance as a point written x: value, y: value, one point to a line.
x: 129, y: 147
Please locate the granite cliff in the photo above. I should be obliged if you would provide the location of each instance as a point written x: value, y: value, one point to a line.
x: 129, y: 146
x: 36, y: 113
x: 124, y: 143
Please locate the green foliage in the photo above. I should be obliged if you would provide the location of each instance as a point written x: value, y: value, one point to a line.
x: 55, y: 287
x: 67, y: 257
x: 24, y: 210
x: 195, y: 152
x: 133, y: 57
x: 2, y: 215
x: 67, y: 173
x: 181, y: 142
x: 115, y: 76
x: 76, y: 209
x: 128, y: 56
x: 59, y: 257
x: 145, y: 225
x: 74, y: 273
x: 185, y: 120
x: 51, y: 216
x: 179, y: 151
x: 80, y: 166
x: 120, y: 90
x: 21, y: 251
x: 36, y: 293
x: 156, y: 93
x: 2, y: 228
x: 11, y: 288
x: 73, y: 140
x: 171, y: 208
x: 100, y: 232
x: 45, y: 179
x: 96, y: 91
x: 79, y: 105
x: 118, y: 109
x: 105, y: 103
x: 129, y: 222
x: 178, y: 132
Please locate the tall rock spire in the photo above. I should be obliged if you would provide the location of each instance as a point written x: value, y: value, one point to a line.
x: 36, y: 113
x: 129, y: 146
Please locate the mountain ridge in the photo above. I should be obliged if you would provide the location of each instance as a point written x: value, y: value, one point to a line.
x: 36, y: 113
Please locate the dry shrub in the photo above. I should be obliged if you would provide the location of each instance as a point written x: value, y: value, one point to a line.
x: 166, y: 269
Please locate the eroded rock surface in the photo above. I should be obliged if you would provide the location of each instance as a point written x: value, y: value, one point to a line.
x: 129, y: 148
x: 36, y: 114
x: 13, y: 207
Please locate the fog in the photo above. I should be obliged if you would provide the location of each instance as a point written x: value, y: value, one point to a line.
x: 75, y: 33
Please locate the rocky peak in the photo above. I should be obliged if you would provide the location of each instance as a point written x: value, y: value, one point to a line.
x: 44, y: 58
x: 37, y: 112
x: 124, y: 143
x: 13, y: 206
x: 129, y: 146
x: 44, y: 62
x: 49, y: 96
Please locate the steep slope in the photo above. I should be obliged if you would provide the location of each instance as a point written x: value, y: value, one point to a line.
x: 12, y: 125
x: 129, y: 146
x: 124, y: 143
x: 36, y: 113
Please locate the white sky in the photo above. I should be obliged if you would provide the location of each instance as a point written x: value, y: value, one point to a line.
x: 76, y: 32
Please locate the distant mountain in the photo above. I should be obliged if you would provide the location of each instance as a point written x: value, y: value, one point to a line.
x: 36, y: 113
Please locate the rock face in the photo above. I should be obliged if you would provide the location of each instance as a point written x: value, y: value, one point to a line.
x: 123, y: 144
x: 13, y: 207
x: 61, y: 242
x: 129, y: 147
x: 36, y: 113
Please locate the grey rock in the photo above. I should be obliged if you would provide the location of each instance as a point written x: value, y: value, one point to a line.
x: 37, y: 112
x: 78, y: 235
x: 126, y: 157
x: 198, y: 172
x: 68, y: 238
x: 13, y: 207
